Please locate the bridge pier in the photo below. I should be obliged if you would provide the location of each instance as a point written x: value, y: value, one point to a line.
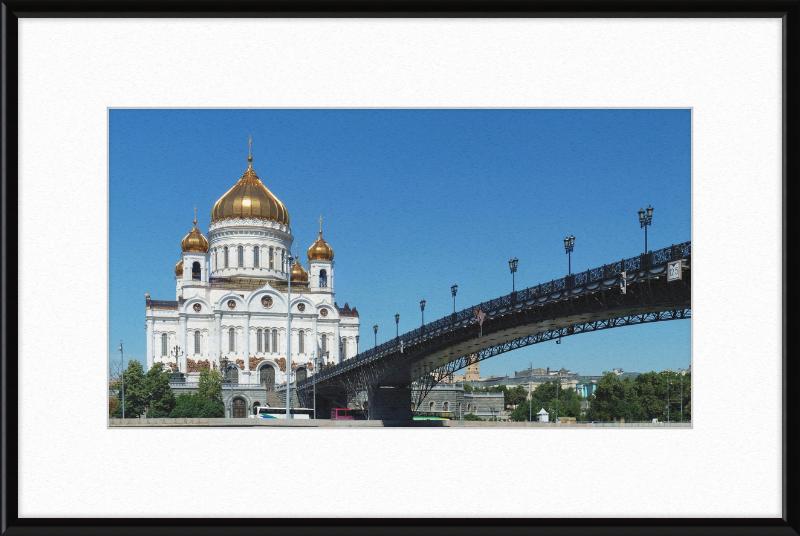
x: 390, y: 404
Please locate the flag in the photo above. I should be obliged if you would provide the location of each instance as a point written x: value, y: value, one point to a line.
x: 480, y: 316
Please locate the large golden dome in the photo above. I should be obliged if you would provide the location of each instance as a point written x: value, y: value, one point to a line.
x: 195, y: 241
x: 179, y: 269
x: 320, y: 250
x: 249, y: 199
x: 298, y: 272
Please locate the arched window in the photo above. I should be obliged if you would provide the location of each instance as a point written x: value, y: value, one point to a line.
x: 163, y: 344
x: 258, y: 340
x: 446, y: 406
x: 344, y: 348
x: 255, y: 256
x: 241, y: 256
x: 474, y: 408
x: 274, y: 340
x: 231, y: 340
x: 431, y: 406
x: 271, y: 258
x: 324, y: 345
x: 197, y: 342
x: 302, y: 374
x: 301, y: 346
x: 196, y: 271
x: 225, y: 253
x: 323, y: 278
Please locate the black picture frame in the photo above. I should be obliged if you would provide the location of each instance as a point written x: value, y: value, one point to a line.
x: 13, y: 10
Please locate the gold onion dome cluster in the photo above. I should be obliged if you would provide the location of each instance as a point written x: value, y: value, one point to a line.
x: 320, y: 250
x: 195, y: 241
x: 179, y: 268
x: 249, y: 199
x: 298, y: 272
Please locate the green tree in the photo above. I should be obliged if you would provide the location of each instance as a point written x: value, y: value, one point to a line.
x: 210, y: 385
x: 472, y: 417
x: 136, y: 395
x: 212, y: 409
x: 161, y: 397
x: 468, y: 388
x: 187, y: 406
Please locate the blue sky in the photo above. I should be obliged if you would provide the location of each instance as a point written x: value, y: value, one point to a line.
x: 412, y: 202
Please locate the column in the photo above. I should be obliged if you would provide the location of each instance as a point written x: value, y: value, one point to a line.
x: 215, y: 349
x: 247, y: 341
x: 182, y: 341
x: 336, y: 341
x: 150, y: 337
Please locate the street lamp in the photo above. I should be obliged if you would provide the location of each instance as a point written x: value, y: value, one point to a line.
x: 569, y: 245
x: 375, y: 329
x: 422, y: 308
x: 645, y: 220
x: 176, y: 352
x: 397, y: 325
x: 356, y: 344
x: 530, y: 398
x: 122, y: 362
x: 453, y: 291
x: 288, y: 260
x: 224, y: 364
x: 512, y: 264
x: 316, y: 371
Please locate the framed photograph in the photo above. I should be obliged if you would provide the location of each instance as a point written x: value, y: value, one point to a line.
x: 73, y: 241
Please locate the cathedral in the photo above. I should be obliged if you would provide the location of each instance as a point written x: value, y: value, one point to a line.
x: 232, y: 297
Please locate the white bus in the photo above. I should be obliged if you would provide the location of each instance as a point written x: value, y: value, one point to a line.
x: 280, y: 413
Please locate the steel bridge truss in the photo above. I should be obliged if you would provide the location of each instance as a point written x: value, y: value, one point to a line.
x: 422, y: 387
x: 580, y: 303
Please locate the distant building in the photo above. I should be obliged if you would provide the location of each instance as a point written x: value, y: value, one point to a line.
x: 473, y: 372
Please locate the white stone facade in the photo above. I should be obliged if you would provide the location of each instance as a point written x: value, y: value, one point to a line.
x: 238, y: 309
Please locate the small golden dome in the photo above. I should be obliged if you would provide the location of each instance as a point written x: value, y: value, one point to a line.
x: 194, y: 241
x: 298, y: 272
x: 179, y: 269
x: 249, y: 199
x: 320, y: 250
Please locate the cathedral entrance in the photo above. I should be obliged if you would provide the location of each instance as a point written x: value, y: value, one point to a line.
x: 301, y: 374
x: 267, y: 377
x: 239, y: 408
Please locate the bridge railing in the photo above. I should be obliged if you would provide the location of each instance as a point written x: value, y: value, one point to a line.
x: 594, y: 275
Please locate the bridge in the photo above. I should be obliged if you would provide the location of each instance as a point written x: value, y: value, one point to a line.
x: 624, y: 293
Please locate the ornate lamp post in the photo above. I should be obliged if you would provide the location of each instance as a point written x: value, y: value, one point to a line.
x: 375, y: 329
x: 645, y: 220
x: 176, y: 353
x: 569, y: 245
x: 122, y: 361
x: 422, y: 308
x: 224, y: 364
x: 288, y: 260
x: 453, y: 291
x: 356, y: 344
x: 316, y: 371
x: 512, y: 265
x: 397, y: 325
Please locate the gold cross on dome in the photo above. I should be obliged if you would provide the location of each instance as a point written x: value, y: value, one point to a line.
x: 320, y: 224
x: 249, y: 146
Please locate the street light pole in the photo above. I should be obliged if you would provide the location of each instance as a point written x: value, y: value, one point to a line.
x: 645, y: 220
x: 556, y: 400
x: 422, y: 308
x: 122, y: 362
x: 530, y: 398
x: 316, y: 371
x: 375, y: 329
x: 453, y: 291
x: 512, y: 265
x: 569, y: 245
x: 289, y: 337
x: 397, y: 325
